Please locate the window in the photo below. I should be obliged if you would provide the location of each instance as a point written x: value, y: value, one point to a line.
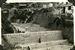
x: 69, y: 8
x: 66, y: 2
x: 63, y: 9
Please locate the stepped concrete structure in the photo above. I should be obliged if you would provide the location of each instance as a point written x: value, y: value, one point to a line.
x: 46, y: 40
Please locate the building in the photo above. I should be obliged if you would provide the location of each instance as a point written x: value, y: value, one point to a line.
x: 67, y: 8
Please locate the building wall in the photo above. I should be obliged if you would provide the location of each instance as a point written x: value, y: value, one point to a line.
x: 67, y: 10
x: 44, y: 6
x: 50, y: 5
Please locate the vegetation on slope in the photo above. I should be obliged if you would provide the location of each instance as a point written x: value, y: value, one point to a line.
x: 6, y: 28
x: 46, y: 18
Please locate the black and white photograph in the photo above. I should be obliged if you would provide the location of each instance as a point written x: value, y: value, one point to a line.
x: 37, y: 26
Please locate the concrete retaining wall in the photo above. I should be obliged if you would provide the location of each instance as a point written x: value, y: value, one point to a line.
x: 33, y: 37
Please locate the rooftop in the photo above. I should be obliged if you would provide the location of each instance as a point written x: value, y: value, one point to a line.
x: 65, y: 5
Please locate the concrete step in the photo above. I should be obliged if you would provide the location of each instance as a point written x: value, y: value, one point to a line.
x: 44, y: 44
x: 51, y: 43
x: 54, y: 47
